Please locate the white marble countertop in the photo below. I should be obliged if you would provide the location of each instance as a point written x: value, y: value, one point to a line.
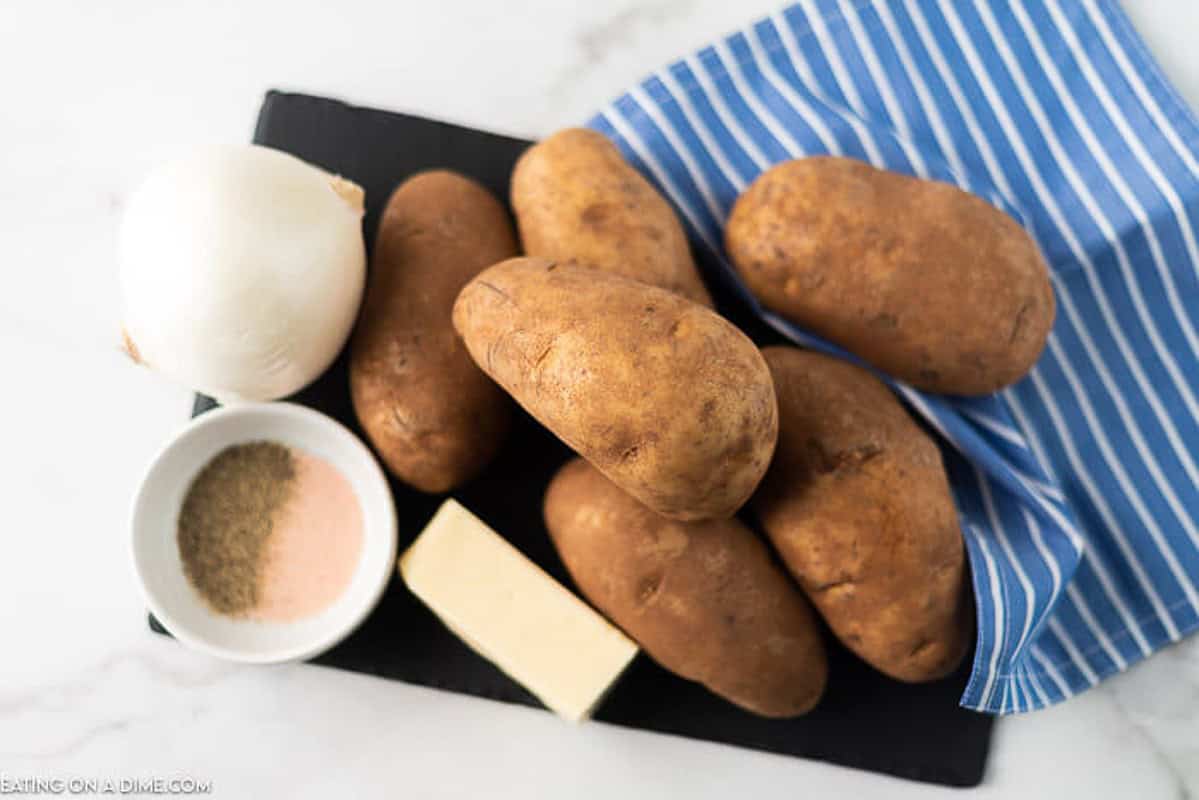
x: 97, y: 93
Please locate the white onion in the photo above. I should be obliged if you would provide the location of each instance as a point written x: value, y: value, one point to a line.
x: 242, y: 271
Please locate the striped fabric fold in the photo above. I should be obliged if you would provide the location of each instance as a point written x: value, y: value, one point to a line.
x: 1078, y: 488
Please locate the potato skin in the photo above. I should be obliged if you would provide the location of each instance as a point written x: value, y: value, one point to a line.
x: 577, y: 199
x: 858, y: 506
x: 664, y: 396
x: 923, y: 280
x: 702, y: 598
x: 433, y: 417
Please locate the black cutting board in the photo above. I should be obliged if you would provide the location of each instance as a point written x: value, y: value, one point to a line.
x: 865, y: 720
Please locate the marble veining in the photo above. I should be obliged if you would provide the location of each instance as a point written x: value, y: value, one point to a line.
x: 598, y: 40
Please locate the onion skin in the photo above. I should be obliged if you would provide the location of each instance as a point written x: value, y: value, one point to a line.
x: 242, y: 270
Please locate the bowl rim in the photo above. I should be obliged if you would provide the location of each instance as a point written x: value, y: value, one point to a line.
x: 335, y: 635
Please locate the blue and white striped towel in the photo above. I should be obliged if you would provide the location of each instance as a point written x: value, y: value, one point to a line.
x: 1078, y: 488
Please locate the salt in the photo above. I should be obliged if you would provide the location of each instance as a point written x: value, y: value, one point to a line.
x: 315, y: 544
x: 269, y: 532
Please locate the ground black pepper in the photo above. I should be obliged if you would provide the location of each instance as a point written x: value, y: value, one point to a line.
x: 226, y: 520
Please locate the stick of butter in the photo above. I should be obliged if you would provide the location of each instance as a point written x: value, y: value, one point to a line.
x: 513, y: 614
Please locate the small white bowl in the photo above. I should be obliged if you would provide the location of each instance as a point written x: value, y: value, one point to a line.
x: 155, y: 518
